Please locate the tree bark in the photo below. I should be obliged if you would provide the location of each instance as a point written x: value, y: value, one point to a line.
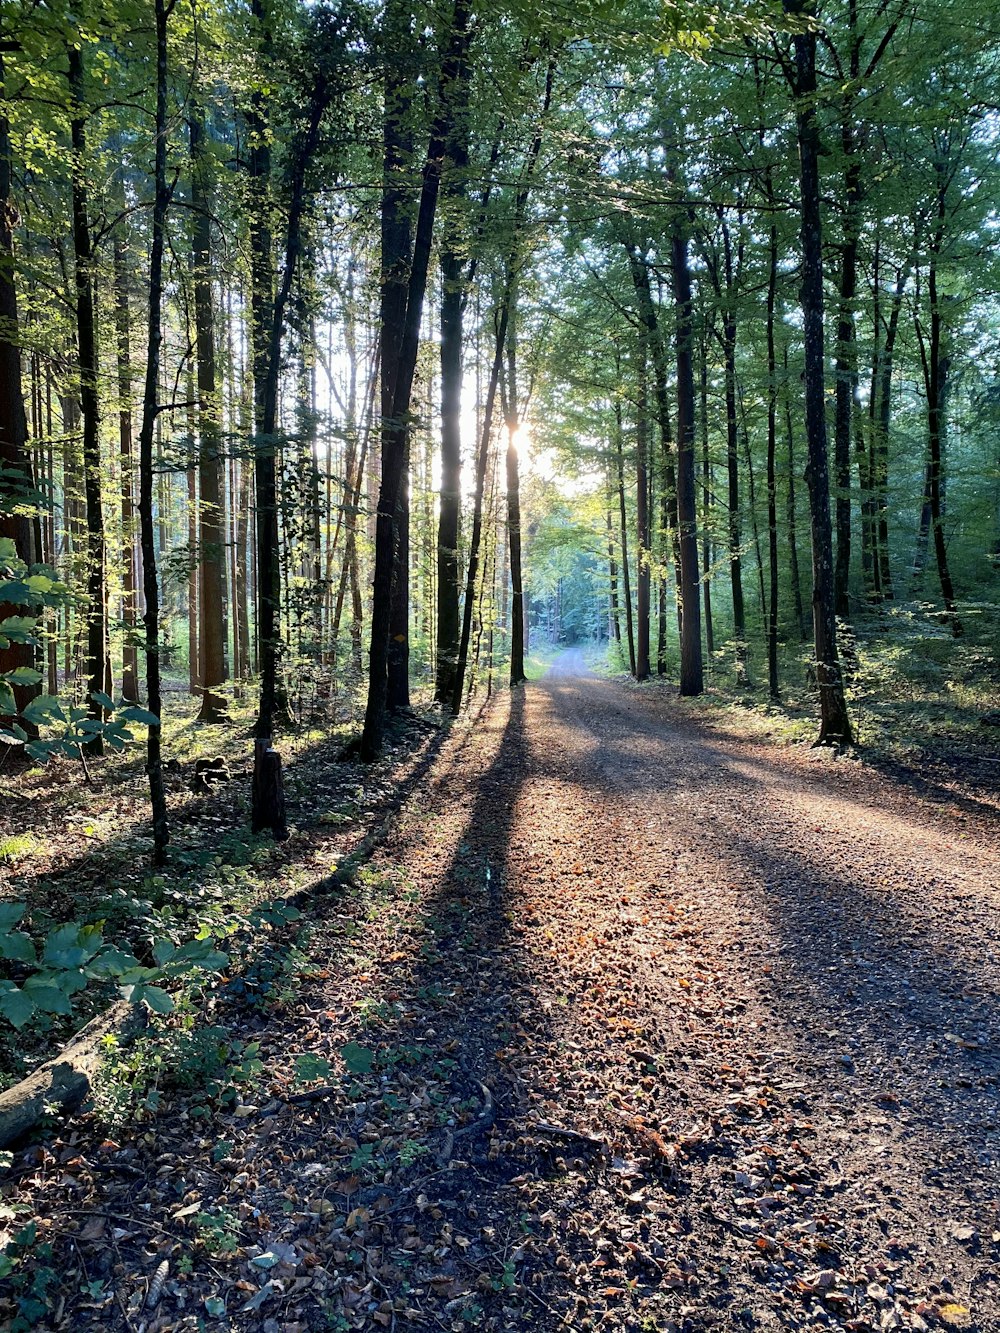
x: 394, y: 434
x: 772, y: 481
x: 211, y: 515
x: 150, y: 410
x: 86, y: 329
x: 642, y: 574
x: 692, y: 674
x: 130, y: 648
x: 17, y: 483
x: 835, y: 724
x: 623, y: 520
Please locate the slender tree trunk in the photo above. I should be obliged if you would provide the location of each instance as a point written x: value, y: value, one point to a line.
x: 448, y: 620
x: 517, y: 675
x: 881, y: 422
x: 772, y: 481
x: 453, y: 301
x: 482, y: 463
x: 623, y: 520
x: 262, y: 318
x: 211, y: 515
x: 691, y: 681
x: 707, y: 482
x: 17, y: 483
x: 937, y: 365
x: 614, y: 618
x: 86, y: 329
x: 130, y: 648
x: 642, y: 575
x: 150, y: 410
x: 792, y: 516
x: 835, y: 724
x: 846, y: 374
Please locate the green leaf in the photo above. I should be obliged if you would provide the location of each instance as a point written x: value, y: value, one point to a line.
x: 158, y: 999
x: 18, y: 629
x: 47, y: 997
x: 358, y: 1059
x: 44, y: 709
x: 18, y: 946
x: 16, y: 1007
x: 6, y: 1266
x: 163, y: 951
x: 7, y: 705
x: 63, y: 947
x: 24, y: 676
x: 8, y: 551
x: 10, y: 914
x: 100, y: 698
x: 140, y: 715
x: 310, y: 1068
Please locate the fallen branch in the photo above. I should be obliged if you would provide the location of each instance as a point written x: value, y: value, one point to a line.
x: 63, y: 1082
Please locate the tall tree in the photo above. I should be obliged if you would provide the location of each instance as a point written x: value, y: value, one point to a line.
x: 211, y: 515
x: 835, y: 723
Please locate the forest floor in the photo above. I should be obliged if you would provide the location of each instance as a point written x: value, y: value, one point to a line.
x: 632, y: 1023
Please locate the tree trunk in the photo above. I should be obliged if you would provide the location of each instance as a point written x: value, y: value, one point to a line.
x: 453, y: 70
x: 623, y: 520
x: 17, y: 484
x: 130, y: 648
x: 453, y: 301
x: 772, y: 482
x: 691, y: 680
x: 86, y: 329
x: 211, y: 515
x: 642, y: 574
x: 835, y: 724
x: 937, y: 365
x: 262, y: 316
x: 707, y: 483
x: 150, y: 410
x: 448, y: 621
x: 846, y: 373
x: 482, y: 462
x: 517, y: 675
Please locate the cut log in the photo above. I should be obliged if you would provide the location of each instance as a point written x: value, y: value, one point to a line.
x: 64, y: 1081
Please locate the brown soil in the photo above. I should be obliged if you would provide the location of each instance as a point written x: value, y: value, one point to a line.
x: 669, y: 1030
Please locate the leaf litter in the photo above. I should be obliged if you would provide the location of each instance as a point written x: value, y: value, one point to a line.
x: 606, y: 1036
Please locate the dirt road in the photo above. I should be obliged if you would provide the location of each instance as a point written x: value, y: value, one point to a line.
x: 769, y: 981
x: 651, y: 1028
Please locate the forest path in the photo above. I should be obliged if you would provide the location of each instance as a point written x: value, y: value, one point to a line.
x: 647, y: 1028
x: 778, y: 971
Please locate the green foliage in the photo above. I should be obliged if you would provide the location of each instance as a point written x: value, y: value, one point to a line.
x: 73, y: 955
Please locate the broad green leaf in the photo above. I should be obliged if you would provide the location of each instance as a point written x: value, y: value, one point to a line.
x: 18, y: 629
x: 18, y: 946
x: 358, y: 1059
x: 10, y: 914
x: 47, y: 997
x: 16, y: 1007
x: 158, y: 999
x: 100, y: 698
x: 44, y: 709
x: 7, y: 705
x: 24, y: 676
x: 140, y: 715
x: 163, y: 951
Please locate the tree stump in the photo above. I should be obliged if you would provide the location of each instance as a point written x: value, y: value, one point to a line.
x: 268, y: 793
